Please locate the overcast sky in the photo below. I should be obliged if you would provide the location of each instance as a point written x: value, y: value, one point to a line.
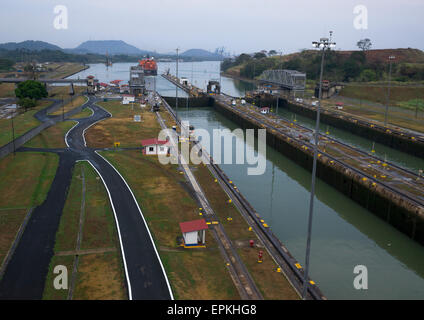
x: 238, y: 25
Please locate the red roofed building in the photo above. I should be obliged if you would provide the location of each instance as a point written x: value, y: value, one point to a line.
x: 115, y: 82
x: 155, y: 146
x: 194, y: 232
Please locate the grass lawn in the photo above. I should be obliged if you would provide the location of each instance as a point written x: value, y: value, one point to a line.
x: 121, y: 127
x: 59, y: 92
x: 398, y: 94
x: 100, y: 275
x: 53, y: 137
x: 85, y: 113
x: 7, y: 90
x: 76, y: 102
x: 25, y: 180
x: 22, y: 122
x: 165, y: 201
x: 10, y: 221
x: 63, y: 70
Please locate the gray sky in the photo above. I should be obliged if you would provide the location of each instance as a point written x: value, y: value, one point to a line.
x: 238, y: 25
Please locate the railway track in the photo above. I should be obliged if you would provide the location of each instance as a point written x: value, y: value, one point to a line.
x: 238, y: 271
x: 412, y: 176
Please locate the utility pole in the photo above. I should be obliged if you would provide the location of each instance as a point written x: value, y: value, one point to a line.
x: 13, y: 134
x: 391, y: 58
x: 176, y: 91
x: 323, y: 44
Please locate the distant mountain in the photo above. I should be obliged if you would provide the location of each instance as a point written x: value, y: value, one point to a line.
x: 201, y: 54
x: 29, y: 45
x: 112, y: 47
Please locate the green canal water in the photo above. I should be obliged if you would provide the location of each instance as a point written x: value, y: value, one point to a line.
x: 344, y: 233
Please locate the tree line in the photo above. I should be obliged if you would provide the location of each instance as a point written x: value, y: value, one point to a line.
x: 338, y: 66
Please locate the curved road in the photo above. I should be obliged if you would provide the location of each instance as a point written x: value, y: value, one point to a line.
x: 26, y: 272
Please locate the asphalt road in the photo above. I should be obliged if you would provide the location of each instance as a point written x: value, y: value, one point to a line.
x: 26, y: 273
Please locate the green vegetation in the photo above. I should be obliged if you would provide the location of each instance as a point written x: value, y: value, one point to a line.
x: 25, y: 180
x: 22, y: 122
x: 408, y: 97
x: 366, y: 65
x: 121, y: 127
x: 74, y: 103
x: 29, y: 92
x: 85, y: 113
x: 52, y: 137
x: 100, y: 272
x: 6, y: 64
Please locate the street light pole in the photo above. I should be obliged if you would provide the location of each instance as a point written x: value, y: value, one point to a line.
x: 13, y: 134
x: 391, y: 58
x: 323, y: 44
x: 176, y: 91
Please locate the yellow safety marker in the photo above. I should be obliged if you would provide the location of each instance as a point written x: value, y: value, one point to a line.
x: 117, y: 144
x: 230, y: 219
x: 229, y: 200
x: 262, y: 221
x: 265, y: 225
x: 216, y: 180
x: 412, y: 138
x: 383, y: 176
x: 208, y: 223
x: 215, y: 222
x: 250, y: 229
x: 200, y: 214
x: 228, y: 264
x: 384, y: 164
x: 230, y: 181
x: 311, y: 282
x: 364, y: 179
x: 298, y: 265
x: 374, y: 184
x: 278, y: 269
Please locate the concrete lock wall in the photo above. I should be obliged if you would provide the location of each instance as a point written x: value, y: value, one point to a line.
x: 389, y: 139
x: 382, y: 203
x: 195, y: 102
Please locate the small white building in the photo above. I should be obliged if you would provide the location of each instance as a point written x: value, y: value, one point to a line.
x: 155, y: 146
x: 184, y: 81
x: 194, y: 232
x: 127, y: 98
